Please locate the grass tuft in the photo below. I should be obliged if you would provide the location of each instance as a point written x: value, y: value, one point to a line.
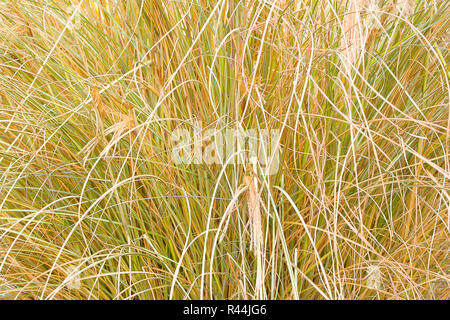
x: 92, y: 205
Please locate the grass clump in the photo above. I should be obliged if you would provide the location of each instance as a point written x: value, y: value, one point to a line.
x: 92, y: 205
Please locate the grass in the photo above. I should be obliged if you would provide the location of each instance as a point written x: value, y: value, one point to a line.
x: 93, y: 207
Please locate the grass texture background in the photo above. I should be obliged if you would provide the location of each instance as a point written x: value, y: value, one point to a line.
x: 93, y: 207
